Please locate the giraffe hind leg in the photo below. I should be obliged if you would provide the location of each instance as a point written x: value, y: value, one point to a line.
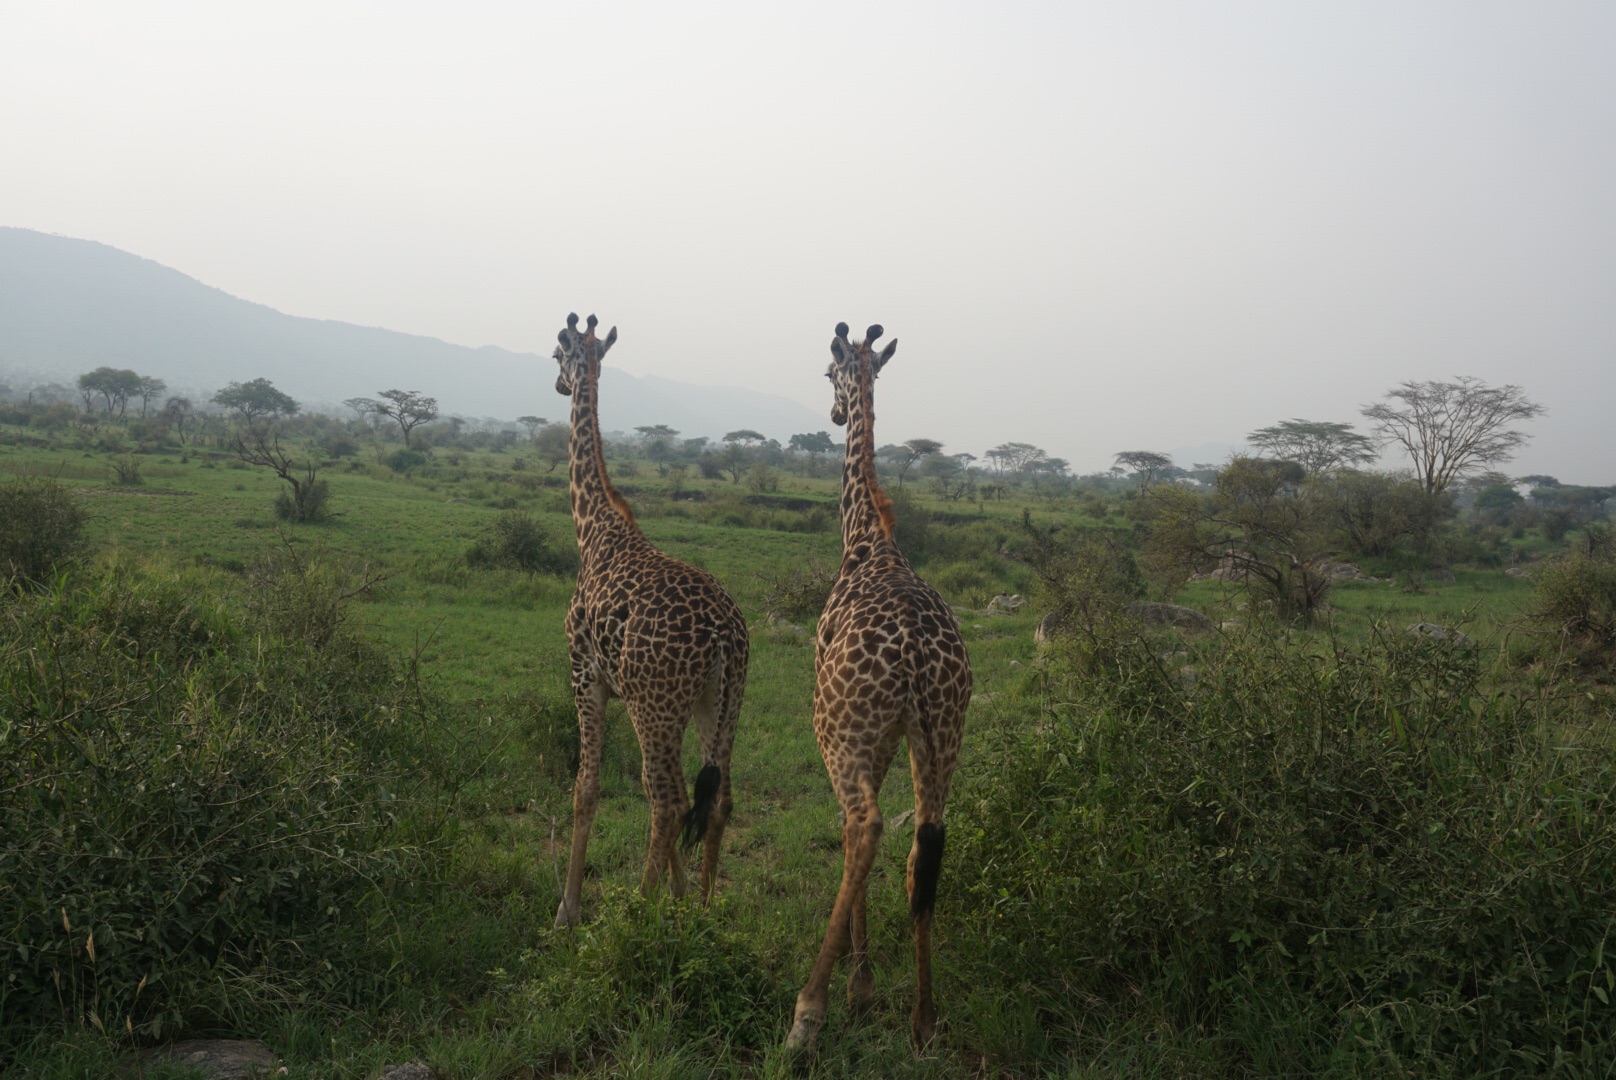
x: 591, y: 701
x: 663, y: 778
x: 861, y: 839
x: 717, y: 714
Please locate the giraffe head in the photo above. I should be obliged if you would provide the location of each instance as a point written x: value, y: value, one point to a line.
x: 579, y: 355
x: 849, y: 363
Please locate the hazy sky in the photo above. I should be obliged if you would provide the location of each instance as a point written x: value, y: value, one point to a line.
x: 1093, y: 227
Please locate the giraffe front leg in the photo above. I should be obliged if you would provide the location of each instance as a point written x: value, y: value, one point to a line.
x: 590, y: 696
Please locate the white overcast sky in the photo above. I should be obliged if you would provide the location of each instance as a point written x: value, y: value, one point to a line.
x: 1094, y: 227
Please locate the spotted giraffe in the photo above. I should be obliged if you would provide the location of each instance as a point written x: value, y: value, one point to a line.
x: 663, y: 636
x: 889, y: 663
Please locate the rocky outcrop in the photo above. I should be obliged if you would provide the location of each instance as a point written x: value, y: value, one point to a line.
x: 1006, y: 604
x: 1170, y: 615
x: 215, y: 1059
x: 1436, y: 632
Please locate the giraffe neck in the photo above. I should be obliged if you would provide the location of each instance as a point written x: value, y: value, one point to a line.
x: 867, y: 522
x: 604, y: 523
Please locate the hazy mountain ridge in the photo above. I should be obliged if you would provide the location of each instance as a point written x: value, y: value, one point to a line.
x: 69, y: 305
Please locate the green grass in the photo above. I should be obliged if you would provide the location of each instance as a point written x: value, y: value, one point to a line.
x: 483, y: 981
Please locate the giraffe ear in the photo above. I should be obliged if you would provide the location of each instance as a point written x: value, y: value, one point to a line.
x: 611, y: 339
x: 886, y: 354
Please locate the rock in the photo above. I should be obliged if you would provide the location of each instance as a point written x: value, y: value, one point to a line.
x: 1015, y: 663
x: 1434, y: 632
x: 216, y: 1059
x: 1005, y: 604
x: 1172, y: 615
x: 1231, y: 567
x: 985, y: 698
x: 1517, y: 571
x: 1338, y: 571
x: 1231, y: 624
x: 1056, y: 622
x: 783, y: 626
x: 1439, y: 573
x: 412, y: 1071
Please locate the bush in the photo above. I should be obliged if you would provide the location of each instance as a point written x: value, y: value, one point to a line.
x: 1362, y: 861
x: 339, y: 444
x: 798, y: 592
x: 41, y: 529
x: 126, y: 471
x: 517, y: 541
x: 403, y: 461
x: 1576, y: 595
x: 655, y: 956
x: 309, y: 503
x: 196, y: 809
x: 1374, y: 512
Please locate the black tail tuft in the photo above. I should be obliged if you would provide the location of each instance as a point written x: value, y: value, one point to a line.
x: 701, y: 807
x: 928, y: 866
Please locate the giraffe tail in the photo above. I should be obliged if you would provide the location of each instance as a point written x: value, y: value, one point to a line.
x: 928, y: 867
x: 701, y: 807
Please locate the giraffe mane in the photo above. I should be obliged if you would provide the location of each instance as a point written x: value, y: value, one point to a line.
x: 593, y: 375
x: 878, y: 496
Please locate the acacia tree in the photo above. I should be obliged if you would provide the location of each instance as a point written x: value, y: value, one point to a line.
x: 147, y: 388
x: 409, y: 409
x: 1148, y: 462
x: 260, y: 444
x: 256, y: 400
x: 657, y: 439
x: 177, y: 415
x: 950, y: 475
x: 1316, y: 445
x: 912, y: 451
x: 115, y: 386
x: 532, y: 423
x: 1450, y: 429
x: 1013, y: 458
x: 1261, y: 527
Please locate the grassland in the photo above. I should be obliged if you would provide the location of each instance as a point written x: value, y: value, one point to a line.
x: 484, y: 986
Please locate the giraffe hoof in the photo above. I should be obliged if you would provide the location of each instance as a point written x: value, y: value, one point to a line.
x: 860, y: 993
x: 923, y: 1030
x: 804, y: 1030
x: 566, y: 918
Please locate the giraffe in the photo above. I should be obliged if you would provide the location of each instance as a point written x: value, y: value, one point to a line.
x: 889, y: 662
x: 663, y: 636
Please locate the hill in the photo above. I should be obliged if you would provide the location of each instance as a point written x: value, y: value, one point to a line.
x: 69, y: 305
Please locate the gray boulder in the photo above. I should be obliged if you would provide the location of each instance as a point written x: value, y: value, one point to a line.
x: 216, y: 1059
x: 1436, y: 632
x: 1170, y: 615
x: 1005, y: 604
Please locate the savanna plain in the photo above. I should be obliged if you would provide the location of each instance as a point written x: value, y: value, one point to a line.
x: 309, y: 781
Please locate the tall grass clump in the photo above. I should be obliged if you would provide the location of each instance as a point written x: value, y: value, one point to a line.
x: 202, y: 809
x: 643, y: 959
x: 1372, y: 860
x: 41, y: 528
x: 516, y: 540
